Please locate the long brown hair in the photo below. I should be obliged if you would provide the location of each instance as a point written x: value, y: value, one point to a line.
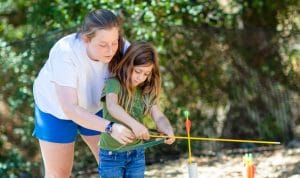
x: 138, y: 54
x: 103, y: 19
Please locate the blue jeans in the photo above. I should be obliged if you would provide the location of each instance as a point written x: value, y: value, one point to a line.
x: 128, y: 164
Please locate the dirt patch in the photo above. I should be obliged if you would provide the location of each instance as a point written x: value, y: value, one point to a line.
x: 279, y: 163
x: 269, y: 164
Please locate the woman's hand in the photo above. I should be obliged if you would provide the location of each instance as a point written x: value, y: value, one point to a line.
x: 122, y: 134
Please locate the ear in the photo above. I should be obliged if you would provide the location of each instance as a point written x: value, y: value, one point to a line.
x: 85, y: 39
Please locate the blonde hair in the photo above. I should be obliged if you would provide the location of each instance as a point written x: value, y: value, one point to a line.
x: 138, y: 54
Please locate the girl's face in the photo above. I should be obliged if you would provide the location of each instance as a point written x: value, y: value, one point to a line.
x: 103, y: 46
x: 140, y: 74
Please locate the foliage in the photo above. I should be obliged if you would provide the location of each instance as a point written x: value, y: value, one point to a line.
x: 13, y: 165
x: 237, y: 73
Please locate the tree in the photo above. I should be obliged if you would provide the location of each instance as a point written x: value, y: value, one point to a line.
x: 237, y: 73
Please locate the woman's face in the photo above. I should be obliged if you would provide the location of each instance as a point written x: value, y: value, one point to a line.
x: 140, y: 74
x: 103, y: 46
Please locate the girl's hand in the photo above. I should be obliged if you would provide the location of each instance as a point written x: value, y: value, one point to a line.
x: 140, y: 131
x: 170, y: 140
x: 163, y: 124
x: 122, y: 134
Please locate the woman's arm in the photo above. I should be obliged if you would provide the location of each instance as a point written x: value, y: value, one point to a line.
x: 118, y: 112
x: 67, y: 97
x: 162, y: 123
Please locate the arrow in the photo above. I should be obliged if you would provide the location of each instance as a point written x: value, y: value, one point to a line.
x: 188, y: 125
x: 217, y: 139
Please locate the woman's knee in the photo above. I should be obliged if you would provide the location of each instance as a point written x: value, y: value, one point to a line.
x: 57, y: 158
x: 57, y: 173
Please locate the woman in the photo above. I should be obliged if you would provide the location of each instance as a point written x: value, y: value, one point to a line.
x: 68, y: 88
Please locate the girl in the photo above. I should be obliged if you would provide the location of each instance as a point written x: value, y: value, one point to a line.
x: 129, y: 96
x: 67, y: 99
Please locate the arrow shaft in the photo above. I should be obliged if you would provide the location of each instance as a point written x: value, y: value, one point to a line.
x: 190, y: 150
x: 216, y: 139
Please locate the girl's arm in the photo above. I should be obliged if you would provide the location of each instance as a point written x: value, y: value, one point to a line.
x: 162, y: 123
x: 67, y: 97
x: 118, y: 112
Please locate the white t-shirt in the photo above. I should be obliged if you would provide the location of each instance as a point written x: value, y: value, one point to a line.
x: 68, y: 65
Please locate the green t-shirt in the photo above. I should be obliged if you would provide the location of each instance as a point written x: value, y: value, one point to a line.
x: 137, y: 111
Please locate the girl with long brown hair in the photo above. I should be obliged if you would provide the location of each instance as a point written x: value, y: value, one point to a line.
x: 130, y: 96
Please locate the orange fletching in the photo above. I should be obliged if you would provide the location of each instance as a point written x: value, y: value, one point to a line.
x: 188, y: 125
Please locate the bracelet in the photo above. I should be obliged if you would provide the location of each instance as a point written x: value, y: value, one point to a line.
x: 108, y: 128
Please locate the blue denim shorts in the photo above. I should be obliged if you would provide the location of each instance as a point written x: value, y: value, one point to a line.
x: 52, y: 129
x: 127, y: 164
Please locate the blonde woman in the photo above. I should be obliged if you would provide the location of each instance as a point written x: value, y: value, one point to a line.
x: 67, y: 92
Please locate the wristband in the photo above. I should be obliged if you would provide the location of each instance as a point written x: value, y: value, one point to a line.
x: 108, y: 128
